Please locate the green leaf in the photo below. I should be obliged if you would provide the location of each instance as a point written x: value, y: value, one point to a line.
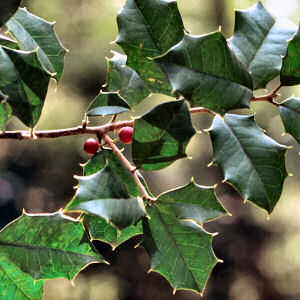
x: 34, y: 33
x: 290, y: 70
x: 25, y: 81
x: 8, y: 42
x: 161, y: 135
x: 5, y: 114
x: 18, y: 285
x: 207, y: 73
x: 290, y: 115
x: 107, y: 104
x: 191, y: 201
x: 104, y: 194
x: 7, y: 9
x: 250, y: 160
x: 149, y: 28
x: 259, y: 41
x: 181, y: 251
x: 47, y: 246
x: 100, y: 230
x: 125, y: 80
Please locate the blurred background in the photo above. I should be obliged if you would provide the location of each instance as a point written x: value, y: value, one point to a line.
x: 261, y: 257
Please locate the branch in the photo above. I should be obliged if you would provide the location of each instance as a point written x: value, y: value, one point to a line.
x: 268, y: 97
x: 129, y: 167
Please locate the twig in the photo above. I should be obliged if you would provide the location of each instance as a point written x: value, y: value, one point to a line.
x: 129, y: 167
x: 197, y: 110
x: 269, y: 97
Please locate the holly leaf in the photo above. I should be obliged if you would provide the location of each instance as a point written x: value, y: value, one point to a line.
x: 124, y: 79
x: 24, y: 81
x: 107, y: 104
x: 100, y: 230
x: 34, y: 33
x: 290, y: 70
x: 192, y: 201
x: 207, y: 73
x: 105, y: 195
x: 147, y: 29
x: 259, y: 41
x: 5, y: 114
x: 16, y: 284
x: 181, y: 251
x: 8, y: 8
x: 250, y: 160
x: 47, y: 246
x: 290, y: 116
x: 159, y: 141
x: 8, y: 42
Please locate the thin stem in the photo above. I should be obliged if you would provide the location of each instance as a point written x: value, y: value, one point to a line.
x: 197, y: 110
x: 268, y: 97
x: 129, y: 167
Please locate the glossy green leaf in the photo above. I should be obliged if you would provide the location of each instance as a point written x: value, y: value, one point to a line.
x: 104, y: 194
x: 107, y: 104
x: 161, y: 135
x: 207, y: 73
x: 100, y: 230
x: 259, y: 41
x: 47, y: 246
x: 5, y: 114
x: 34, y: 33
x: 192, y: 201
x: 8, y: 42
x: 149, y: 28
x: 15, y: 284
x: 250, y: 160
x: 25, y: 81
x: 181, y: 251
x: 290, y: 115
x: 125, y: 80
x: 7, y: 9
x: 290, y: 70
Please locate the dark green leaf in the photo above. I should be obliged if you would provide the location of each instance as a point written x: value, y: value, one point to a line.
x: 25, y: 81
x: 47, y: 246
x: 207, y: 73
x: 104, y: 194
x: 149, y: 28
x: 251, y: 161
x: 290, y: 115
x: 8, y: 42
x: 5, y: 114
x: 18, y: 285
x: 7, y: 9
x: 290, y: 71
x: 107, y: 104
x: 161, y: 135
x: 181, y: 251
x: 192, y: 201
x: 100, y: 230
x: 125, y: 80
x: 34, y: 33
x: 259, y: 41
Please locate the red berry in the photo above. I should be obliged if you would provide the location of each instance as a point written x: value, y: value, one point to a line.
x: 91, y: 146
x: 125, y: 134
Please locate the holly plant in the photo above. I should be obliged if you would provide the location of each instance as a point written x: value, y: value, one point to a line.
x: 204, y: 74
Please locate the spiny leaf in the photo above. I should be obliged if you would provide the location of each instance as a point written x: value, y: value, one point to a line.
x: 207, y: 73
x: 259, y: 41
x: 290, y: 115
x: 47, y: 246
x: 34, y: 33
x: 191, y: 201
x: 16, y: 284
x: 7, y: 9
x: 125, y: 80
x: 107, y: 104
x: 8, y: 42
x: 161, y: 135
x: 290, y: 71
x: 100, y: 230
x: 5, y: 114
x: 104, y: 194
x: 149, y: 28
x: 250, y: 160
x: 181, y: 251
x: 25, y: 81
